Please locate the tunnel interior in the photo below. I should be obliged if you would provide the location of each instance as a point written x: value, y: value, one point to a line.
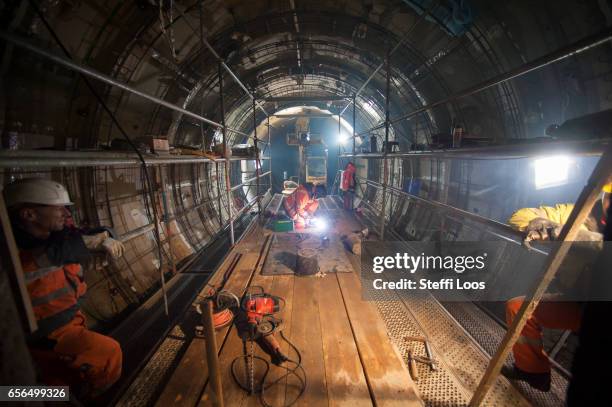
x: 453, y: 101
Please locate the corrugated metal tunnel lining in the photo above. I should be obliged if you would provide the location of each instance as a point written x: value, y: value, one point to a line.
x: 408, y: 72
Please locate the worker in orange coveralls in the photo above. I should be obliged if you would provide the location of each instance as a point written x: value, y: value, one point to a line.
x: 544, y: 223
x: 300, y: 206
x: 347, y: 185
x: 64, y: 350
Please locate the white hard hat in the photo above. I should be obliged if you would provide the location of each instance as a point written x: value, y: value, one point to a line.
x: 36, y: 191
x: 289, y: 187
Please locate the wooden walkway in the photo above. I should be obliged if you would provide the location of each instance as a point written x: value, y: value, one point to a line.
x: 346, y: 352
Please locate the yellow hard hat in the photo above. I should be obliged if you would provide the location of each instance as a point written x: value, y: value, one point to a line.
x: 607, y: 188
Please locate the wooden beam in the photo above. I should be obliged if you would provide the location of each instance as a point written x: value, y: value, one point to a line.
x: 579, y: 214
x: 346, y: 382
x: 386, y: 374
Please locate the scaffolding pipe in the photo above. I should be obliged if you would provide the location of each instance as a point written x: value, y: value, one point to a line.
x: 49, y: 162
x: 256, y: 155
x: 385, y: 149
x: 226, y: 167
x: 573, y: 49
x: 248, y: 205
x: 108, y: 80
x: 354, y: 120
x: 247, y: 181
x: 270, y: 153
x: 305, y: 98
x: 510, y: 151
x: 502, y: 227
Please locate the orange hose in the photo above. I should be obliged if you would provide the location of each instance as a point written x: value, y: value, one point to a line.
x: 222, y: 318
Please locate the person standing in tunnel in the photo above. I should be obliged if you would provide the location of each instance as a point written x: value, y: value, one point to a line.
x: 545, y: 223
x: 347, y: 186
x: 64, y: 350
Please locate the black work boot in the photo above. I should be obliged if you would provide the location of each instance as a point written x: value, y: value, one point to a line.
x: 539, y: 381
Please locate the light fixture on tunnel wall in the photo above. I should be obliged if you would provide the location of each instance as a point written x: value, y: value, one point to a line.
x: 551, y: 171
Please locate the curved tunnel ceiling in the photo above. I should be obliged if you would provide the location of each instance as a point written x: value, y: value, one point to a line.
x: 325, y: 48
x: 282, y: 49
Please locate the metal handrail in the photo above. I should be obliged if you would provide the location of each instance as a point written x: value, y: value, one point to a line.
x: 249, y: 205
x: 55, y: 159
x: 507, y: 233
x: 243, y: 183
x: 510, y: 151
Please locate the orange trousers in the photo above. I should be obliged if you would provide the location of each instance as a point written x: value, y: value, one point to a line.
x: 93, y: 358
x: 529, y: 354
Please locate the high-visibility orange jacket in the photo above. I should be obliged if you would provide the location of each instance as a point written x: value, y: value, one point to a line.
x: 54, y: 289
x: 299, y: 203
x: 348, y: 177
x: 65, y: 351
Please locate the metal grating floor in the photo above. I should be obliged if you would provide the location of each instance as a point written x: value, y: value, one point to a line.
x: 488, y: 334
x: 461, y: 362
x: 142, y: 391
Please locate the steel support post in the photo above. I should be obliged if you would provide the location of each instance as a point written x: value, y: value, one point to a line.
x: 385, y: 148
x: 354, y: 113
x: 227, y: 162
x: 270, y: 152
x: 256, y: 155
x: 339, y: 142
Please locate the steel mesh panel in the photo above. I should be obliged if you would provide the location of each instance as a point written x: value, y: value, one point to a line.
x: 489, y: 335
x: 143, y: 389
x: 461, y: 363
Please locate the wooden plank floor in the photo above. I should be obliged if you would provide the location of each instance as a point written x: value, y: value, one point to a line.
x: 346, y: 353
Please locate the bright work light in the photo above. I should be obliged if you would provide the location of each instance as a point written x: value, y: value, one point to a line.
x: 551, y: 171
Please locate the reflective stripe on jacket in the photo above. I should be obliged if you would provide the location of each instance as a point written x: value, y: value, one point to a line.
x: 54, y: 290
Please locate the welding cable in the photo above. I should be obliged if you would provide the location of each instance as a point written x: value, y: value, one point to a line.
x: 223, y: 318
x: 263, y: 385
x: 149, y: 185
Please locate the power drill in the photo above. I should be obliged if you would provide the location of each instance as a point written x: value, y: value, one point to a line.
x: 259, y: 309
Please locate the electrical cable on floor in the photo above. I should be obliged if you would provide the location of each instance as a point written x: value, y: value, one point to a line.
x: 34, y: 5
x: 263, y: 386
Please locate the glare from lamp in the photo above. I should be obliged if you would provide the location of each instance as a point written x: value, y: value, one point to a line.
x: 551, y: 171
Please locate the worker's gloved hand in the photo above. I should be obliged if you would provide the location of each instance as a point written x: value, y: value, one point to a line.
x: 542, y: 229
x: 113, y: 247
x: 94, y: 242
